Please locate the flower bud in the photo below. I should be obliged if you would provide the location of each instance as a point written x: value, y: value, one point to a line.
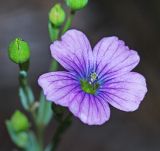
x: 19, y: 122
x: 57, y: 15
x: 76, y: 4
x: 19, y: 51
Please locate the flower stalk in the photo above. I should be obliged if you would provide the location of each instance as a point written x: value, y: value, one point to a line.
x: 63, y: 125
x: 69, y: 21
x: 28, y: 94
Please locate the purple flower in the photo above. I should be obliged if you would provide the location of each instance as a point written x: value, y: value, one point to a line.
x: 95, y: 78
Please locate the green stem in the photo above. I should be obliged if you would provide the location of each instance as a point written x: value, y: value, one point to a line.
x: 62, y: 127
x: 53, y: 31
x: 26, y: 89
x: 24, y: 85
x: 68, y: 22
x: 53, y: 66
x: 40, y: 134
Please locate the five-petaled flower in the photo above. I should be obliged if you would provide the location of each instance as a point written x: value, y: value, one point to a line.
x: 95, y: 78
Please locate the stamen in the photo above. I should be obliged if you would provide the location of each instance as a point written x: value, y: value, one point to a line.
x: 90, y: 85
x: 93, y: 77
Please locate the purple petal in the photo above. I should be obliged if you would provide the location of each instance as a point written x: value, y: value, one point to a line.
x: 125, y: 92
x: 90, y: 109
x: 73, y: 52
x: 113, y: 58
x: 59, y: 87
x: 63, y: 89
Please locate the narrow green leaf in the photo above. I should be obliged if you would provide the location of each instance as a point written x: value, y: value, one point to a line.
x: 11, y: 131
x: 33, y: 144
x: 44, y: 112
x: 26, y: 97
x: 30, y: 95
x: 23, y: 98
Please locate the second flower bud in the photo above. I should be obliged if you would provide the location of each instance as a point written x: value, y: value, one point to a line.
x: 57, y: 15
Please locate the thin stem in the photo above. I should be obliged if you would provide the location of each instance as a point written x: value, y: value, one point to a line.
x: 53, y: 65
x: 68, y: 22
x: 23, y: 81
x: 53, y: 31
x: 40, y: 134
x: 62, y: 127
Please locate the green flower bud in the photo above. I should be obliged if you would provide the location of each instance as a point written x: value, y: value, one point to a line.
x: 19, y: 122
x: 57, y: 15
x: 19, y: 51
x: 76, y: 4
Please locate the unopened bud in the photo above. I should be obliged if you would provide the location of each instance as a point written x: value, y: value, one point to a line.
x: 19, y: 51
x: 57, y: 15
x: 76, y: 4
x: 19, y: 122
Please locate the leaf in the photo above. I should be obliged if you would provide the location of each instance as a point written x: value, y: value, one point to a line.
x: 23, y: 98
x: 44, y: 111
x: 30, y: 95
x: 32, y: 144
x: 26, y: 97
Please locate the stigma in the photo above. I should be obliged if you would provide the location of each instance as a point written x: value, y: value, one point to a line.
x: 93, y: 78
